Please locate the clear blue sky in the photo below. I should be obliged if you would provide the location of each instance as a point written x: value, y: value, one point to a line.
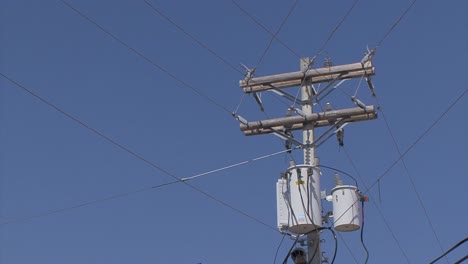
x: 50, y: 162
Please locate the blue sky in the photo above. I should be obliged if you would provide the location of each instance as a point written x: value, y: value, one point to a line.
x: 50, y: 162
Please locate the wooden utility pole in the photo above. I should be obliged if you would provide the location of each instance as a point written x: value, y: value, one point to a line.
x: 306, y: 120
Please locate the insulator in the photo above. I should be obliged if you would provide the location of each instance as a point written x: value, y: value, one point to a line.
x: 328, y: 62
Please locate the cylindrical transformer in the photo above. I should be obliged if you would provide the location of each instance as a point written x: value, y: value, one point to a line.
x: 345, y: 208
x: 305, y: 210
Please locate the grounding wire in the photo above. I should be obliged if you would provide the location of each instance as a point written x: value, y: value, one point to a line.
x: 196, y: 40
x: 459, y: 243
x: 129, y: 151
x: 141, y: 55
x: 413, y: 184
x: 277, y: 32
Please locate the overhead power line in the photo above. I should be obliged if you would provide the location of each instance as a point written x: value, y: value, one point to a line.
x: 395, y: 24
x: 336, y: 28
x: 425, y: 132
x: 413, y: 185
x: 148, y: 188
x: 129, y: 151
x: 141, y: 55
x: 191, y: 36
x: 382, y: 216
x: 459, y: 243
x: 265, y: 28
x: 420, y: 137
x: 277, y: 31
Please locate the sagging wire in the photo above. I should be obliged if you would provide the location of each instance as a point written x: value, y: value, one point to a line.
x: 291, y: 249
x: 340, y: 171
x: 278, y: 248
x: 362, y: 232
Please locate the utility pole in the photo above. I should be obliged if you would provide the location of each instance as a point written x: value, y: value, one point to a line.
x: 293, y: 192
x: 313, y: 239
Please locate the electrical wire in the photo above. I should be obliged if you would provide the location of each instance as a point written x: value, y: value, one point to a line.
x: 319, y: 52
x: 459, y: 243
x: 408, y: 150
x: 180, y: 28
x: 395, y: 24
x: 421, y: 136
x: 136, y: 155
x: 410, y: 177
x: 277, y: 32
x: 141, y: 55
x: 382, y: 216
x: 138, y: 190
x: 336, y: 244
x: 264, y: 28
x: 290, y: 250
x: 278, y: 248
x: 347, y: 248
x: 314, y: 254
x: 158, y: 11
x: 112, y: 197
x: 461, y: 260
x: 362, y: 232
x: 340, y: 171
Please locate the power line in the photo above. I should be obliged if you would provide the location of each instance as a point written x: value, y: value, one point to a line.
x: 421, y: 137
x: 277, y: 31
x: 136, y: 155
x: 395, y: 24
x: 112, y: 197
x: 336, y: 28
x: 348, y: 248
x: 199, y: 42
x: 264, y: 28
x: 461, y: 260
x: 278, y: 248
x: 409, y: 148
x: 382, y: 216
x: 459, y: 243
x: 141, y: 55
x: 413, y: 185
